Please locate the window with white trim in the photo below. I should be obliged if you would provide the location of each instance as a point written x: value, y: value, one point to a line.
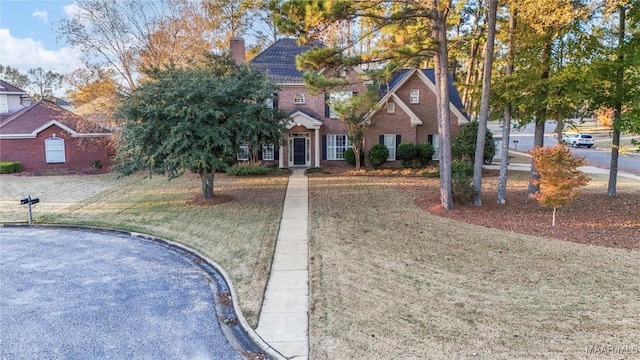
x: 54, y: 150
x: 391, y: 108
x: 298, y: 98
x: 337, y: 96
x: 336, y: 145
x: 4, y: 104
x: 243, y: 155
x: 390, y: 143
x: 436, y: 146
x: 414, y: 96
x: 268, y: 152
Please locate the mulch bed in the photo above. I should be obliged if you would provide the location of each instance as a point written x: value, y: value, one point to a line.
x: 592, y: 218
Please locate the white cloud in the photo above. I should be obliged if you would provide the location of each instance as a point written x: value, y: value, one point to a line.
x: 42, y: 15
x: 26, y: 53
x: 71, y: 9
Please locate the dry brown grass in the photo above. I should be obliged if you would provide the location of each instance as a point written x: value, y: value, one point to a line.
x: 238, y: 234
x: 391, y: 281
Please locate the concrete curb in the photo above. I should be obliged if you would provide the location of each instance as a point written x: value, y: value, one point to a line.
x: 242, y: 337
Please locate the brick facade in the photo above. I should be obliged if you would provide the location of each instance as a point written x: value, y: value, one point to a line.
x: 308, y: 134
x: 80, y: 153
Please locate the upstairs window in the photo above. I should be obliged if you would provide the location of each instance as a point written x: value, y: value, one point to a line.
x: 54, y: 150
x: 337, y: 96
x: 4, y: 104
x: 298, y: 98
x: 414, y: 96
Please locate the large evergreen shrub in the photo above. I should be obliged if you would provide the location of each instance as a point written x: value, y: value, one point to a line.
x: 378, y: 155
x: 464, y: 144
x: 462, y: 181
x: 424, y: 153
x: 350, y: 156
x: 406, y: 152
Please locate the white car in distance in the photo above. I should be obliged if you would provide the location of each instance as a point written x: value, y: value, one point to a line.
x: 577, y: 140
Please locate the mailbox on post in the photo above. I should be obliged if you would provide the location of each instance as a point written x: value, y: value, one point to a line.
x: 30, y: 201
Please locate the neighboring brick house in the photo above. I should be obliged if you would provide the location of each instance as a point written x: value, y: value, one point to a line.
x: 315, y: 137
x: 42, y: 136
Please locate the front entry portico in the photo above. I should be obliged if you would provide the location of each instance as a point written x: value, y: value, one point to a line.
x: 299, y: 143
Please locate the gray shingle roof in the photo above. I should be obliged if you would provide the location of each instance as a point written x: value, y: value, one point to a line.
x: 279, y: 61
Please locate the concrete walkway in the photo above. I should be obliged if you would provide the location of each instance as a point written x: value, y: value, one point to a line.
x: 283, y: 321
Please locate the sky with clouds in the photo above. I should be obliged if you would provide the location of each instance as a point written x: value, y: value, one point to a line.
x: 28, y: 37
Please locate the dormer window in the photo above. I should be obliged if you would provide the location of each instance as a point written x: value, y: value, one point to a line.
x: 298, y: 98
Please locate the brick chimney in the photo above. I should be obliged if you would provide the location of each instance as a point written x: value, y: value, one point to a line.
x: 237, y: 50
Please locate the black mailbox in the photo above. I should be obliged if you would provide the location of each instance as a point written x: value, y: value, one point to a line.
x: 30, y: 201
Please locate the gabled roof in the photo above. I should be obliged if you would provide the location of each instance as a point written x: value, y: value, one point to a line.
x: 6, y: 88
x: 301, y: 117
x: 429, y: 77
x: 279, y: 61
x: 28, y: 122
x: 399, y: 77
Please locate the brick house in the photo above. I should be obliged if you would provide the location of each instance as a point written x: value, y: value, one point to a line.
x: 406, y: 110
x: 43, y: 136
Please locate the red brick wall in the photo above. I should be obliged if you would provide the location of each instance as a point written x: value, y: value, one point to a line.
x: 315, y: 106
x: 383, y: 123
x: 399, y: 122
x: 31, y: 152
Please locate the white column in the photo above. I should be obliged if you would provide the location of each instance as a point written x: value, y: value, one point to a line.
x: 281, y: 157
x: 317, y: 149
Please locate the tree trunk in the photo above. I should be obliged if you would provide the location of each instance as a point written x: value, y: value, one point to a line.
x: 538, y: 141
x: 207, y: 178
x: 473, y: 60
x: 356, y: 152
x: 506, y: 124
x: 541, y: 116
x: 560, y: 126
x: 615, y: 152
x: 484, y: 104
x: 553, y: 220
x: 504, y: 156
x: 615, y: 141
x: 439, y: 24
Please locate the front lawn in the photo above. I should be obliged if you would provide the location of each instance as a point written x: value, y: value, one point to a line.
x: 391, y: 281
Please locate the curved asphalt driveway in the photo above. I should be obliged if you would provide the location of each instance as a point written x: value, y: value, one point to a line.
x: 78, y: 294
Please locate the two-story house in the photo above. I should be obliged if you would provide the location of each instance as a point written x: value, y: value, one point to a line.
x: 43, y: 136
x: 316, y: 137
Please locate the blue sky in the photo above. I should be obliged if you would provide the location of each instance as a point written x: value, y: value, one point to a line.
x: 28, y: 38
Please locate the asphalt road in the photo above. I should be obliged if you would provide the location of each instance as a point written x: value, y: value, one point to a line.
x: 596, y: 157
x: 75, y: 294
